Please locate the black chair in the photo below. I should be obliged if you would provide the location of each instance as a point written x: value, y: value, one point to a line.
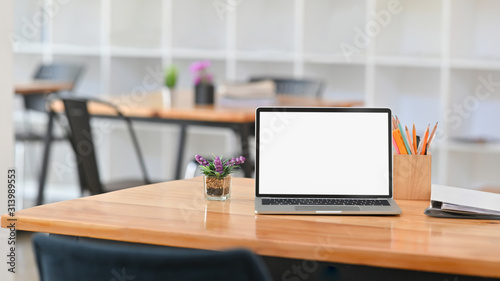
x: 64, y: 259
x: 79, y: 132
x: 296, y: 87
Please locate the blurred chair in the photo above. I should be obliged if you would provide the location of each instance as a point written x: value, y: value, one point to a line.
x: 296, y: 87
x: 35, y: 102
x: 34, y: 105
x: 79, y: 132
x: 63, y: 259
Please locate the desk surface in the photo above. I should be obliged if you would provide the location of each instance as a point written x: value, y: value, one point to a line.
x: 175, y: 213
x: 150, y: 105
x: 41, y: 86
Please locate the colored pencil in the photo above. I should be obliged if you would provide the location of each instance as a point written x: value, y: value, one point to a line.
x: 405, y: 141
x: 432, y: 136
x: 410, y: 143
x: 395, y: 145
x: 396, y: 134
x: 426, y: 136
x: 414, y: 138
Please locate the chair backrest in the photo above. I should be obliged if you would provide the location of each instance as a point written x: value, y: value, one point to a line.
x: 80, y: 135
x: 59, y: 72
x: 54, y: 72
x: 83, y: 145
x: 63, y: 259
x: 297, y: 87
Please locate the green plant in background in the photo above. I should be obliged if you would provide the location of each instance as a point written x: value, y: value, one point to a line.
x: 171, y: 75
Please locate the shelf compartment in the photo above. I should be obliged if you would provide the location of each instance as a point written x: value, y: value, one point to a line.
x: 196, y: 25
x: 27, y: 27
x: 474, y: 106
x: 412, y: 93
x: 88, y: 30
x: 415, y: 31
x: 322, y: 20
x: 474, y: 26
x: 135, y: 24
x: 265, y: 25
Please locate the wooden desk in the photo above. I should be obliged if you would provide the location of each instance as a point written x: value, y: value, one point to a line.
x: 148, y: 107
x: 41, y: 86
x: 175, y: 214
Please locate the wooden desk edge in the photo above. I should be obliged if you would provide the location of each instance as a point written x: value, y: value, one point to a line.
x: 267, y: 247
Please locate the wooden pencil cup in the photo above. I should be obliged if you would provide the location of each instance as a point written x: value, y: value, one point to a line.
x: 412, y: 177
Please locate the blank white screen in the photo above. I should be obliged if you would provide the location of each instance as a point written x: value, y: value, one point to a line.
x: 324, y: 153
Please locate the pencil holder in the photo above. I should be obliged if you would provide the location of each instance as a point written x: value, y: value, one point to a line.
x: 412, y: 177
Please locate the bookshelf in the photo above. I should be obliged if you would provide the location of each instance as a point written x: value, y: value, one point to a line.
x: 428, y: 57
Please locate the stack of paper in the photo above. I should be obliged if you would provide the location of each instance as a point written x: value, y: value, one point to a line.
x: 454, y: 202
x: 248, y: 94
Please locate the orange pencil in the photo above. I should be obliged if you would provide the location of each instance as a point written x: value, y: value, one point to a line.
x: 414, y: 138
x: 396, y: 134
x: 410, y: 144
x: 426, y: 135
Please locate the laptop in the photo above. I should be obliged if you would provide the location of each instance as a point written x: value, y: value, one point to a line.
x: 324, y: 161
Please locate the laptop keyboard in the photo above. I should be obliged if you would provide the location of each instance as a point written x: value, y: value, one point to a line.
x: 325, y: 201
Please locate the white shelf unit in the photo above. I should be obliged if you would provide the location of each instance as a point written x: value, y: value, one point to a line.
x: 423, y: 56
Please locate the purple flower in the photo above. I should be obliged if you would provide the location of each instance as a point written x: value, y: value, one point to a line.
x: 201, y: 160
x: 218, y: 165
x: 236, y: 161
x: 230, y: 162
x: 199, y: 66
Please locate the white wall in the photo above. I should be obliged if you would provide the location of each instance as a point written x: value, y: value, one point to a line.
x: 6, y: 136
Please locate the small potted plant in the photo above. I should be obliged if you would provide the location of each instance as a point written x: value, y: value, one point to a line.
x: 168, y: 92
x: 203, y: 81
x: 217, y: 176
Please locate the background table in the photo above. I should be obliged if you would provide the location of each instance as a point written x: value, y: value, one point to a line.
x: 41, y: 86
x: 176, y: 214
x: 148, y: 107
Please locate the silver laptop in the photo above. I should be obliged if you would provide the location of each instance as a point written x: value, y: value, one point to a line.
x: 325, y: 161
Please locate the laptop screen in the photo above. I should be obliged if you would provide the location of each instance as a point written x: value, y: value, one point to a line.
x: 344, y: 152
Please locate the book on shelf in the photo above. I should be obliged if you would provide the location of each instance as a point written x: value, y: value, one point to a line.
x: 455, y: 202
x: 252, y: 94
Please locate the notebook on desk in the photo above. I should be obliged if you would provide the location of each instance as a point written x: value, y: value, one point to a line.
x: 328, y: 161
